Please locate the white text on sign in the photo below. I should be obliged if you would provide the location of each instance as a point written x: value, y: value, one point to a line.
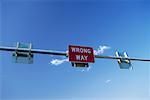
x: 81, y: 57
x: 81, y: 50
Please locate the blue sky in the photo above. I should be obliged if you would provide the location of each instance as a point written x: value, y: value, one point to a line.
x: 121, y: 25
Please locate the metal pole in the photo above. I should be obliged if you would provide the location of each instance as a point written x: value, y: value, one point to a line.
x: 50, y: 52
x: 129, y: 58
x: 38, y: 51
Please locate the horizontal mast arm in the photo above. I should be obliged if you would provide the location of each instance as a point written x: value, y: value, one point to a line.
x: 59, y: 53
x: 38, y: 51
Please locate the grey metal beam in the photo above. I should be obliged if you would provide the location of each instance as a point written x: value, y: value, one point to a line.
x: 129, y: 58
x: 60, y: 53
x: 38, y: 51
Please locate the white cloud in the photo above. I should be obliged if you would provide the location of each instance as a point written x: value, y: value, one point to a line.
x: 107, y: 81
x: 101, y: 50
x: 57, y: 62
x: 86, y: 69
x: 89, y: 68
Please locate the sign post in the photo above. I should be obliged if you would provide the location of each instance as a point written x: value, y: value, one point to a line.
x: 81, y: 55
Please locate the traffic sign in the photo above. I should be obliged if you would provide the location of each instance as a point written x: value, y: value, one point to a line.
x: 23, y: 57
x: 123, y: 63
x: 81, y: 54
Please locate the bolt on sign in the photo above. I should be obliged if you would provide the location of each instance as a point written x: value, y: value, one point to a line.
x: 81, y: 54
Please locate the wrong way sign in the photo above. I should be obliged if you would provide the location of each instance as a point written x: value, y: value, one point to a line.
x: 81, y: 54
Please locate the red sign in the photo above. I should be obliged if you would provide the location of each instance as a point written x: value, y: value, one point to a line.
x: 81, y: 54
